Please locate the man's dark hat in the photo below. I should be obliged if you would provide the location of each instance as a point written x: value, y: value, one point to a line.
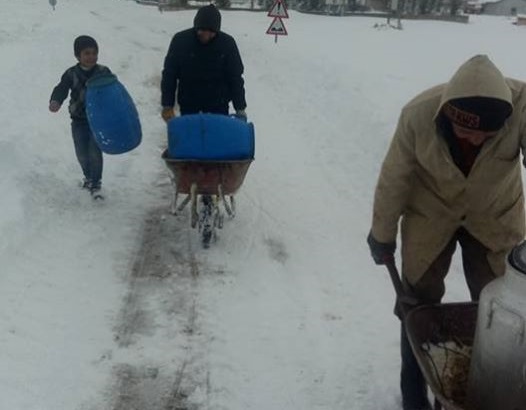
x: 208, y: 18
x: 478, y: 113
x: 83, y: 42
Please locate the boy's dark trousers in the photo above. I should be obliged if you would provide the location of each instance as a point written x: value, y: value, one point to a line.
x: 430, y: 289
x: 88, y: 153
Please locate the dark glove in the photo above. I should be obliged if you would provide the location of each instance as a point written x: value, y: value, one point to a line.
x: 54, y: 106
x: 241, y: 115
x: 381, y: 252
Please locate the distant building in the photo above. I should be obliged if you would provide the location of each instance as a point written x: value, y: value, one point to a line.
x: 473, y: 7
x: 504, y: 8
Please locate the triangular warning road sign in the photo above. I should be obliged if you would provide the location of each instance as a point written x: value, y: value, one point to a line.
x: 278, y: 10
x: 277, y: 27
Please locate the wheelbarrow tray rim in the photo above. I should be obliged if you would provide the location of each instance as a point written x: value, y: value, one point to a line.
x: 168, y: 159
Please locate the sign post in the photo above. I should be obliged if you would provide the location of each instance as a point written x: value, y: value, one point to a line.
x: 278, y: 11
x: 395, y: 11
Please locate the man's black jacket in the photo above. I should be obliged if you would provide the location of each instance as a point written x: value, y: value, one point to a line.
x: 205, y: 76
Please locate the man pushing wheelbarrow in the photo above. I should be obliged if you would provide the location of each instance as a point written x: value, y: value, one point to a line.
x: 452, y: 175
x: 204, y: 69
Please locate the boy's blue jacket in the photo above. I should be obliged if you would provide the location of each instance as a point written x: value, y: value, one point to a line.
x: 74, y: 79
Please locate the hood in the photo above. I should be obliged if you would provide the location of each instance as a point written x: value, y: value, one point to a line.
x: 208, y: 18
x: 477, y: 77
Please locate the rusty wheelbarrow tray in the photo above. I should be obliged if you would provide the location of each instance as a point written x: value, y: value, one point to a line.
x: 206, y: 184
x: 441, y: 337
x: 208, y: 176
x: 213, y: 178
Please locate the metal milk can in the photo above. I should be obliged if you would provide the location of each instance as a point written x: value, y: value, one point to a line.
x: 497, y: 376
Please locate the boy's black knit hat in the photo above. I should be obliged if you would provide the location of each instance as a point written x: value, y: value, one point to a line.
x: 478, y: 113
x: 83, y: 42
x: 208, y: 18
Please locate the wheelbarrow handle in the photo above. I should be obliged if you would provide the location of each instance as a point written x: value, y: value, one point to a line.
x: 403, y: 298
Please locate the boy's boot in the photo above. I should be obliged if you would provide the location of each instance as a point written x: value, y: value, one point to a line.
x: 96, y: 191
x: 412, y: 382
x: 85, y: 184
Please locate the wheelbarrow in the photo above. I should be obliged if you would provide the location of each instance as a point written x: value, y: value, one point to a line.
x: 208, y: 156
x: 441, y: 337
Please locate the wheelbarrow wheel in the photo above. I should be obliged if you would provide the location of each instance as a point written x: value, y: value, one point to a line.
x: 206, y: 236
x: 205, y: 220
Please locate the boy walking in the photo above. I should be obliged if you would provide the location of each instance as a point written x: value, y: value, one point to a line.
x: 74, y: 79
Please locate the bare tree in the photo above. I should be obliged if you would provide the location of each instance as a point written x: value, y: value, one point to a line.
x: 455, y: 6
x: 223, y: 4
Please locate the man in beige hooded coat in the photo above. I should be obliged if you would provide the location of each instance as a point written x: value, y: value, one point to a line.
x: 452, y: 174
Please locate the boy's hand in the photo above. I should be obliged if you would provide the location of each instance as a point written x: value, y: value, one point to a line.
x: 167, y: 113
x: 54, y: 106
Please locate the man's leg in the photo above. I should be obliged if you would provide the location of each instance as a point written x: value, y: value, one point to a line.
x: 477, y: 269
x: 429, y: 289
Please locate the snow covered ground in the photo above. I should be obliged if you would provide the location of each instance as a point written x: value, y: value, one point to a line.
x: 115, y: 306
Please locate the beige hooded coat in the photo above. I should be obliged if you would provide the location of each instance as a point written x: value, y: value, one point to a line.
x: 420, y: 183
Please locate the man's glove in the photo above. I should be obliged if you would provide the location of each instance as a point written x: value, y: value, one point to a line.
x: 167, y: 113
x: 241, y: 114
x: 54, y: 106
x: 381, y: 252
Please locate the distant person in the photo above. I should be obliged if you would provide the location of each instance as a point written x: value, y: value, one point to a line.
x: 452, y: 175
x: 204, y: 68
x: 74, y: 79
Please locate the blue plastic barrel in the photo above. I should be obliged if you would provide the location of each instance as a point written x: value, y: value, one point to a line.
x: 112, y: 115
x: 210, y: 137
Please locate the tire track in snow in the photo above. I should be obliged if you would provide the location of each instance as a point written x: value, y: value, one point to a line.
x: 165, y: 270
x: 178, y: 398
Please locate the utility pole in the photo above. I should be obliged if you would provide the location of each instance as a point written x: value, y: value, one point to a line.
x: 395, y: 12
